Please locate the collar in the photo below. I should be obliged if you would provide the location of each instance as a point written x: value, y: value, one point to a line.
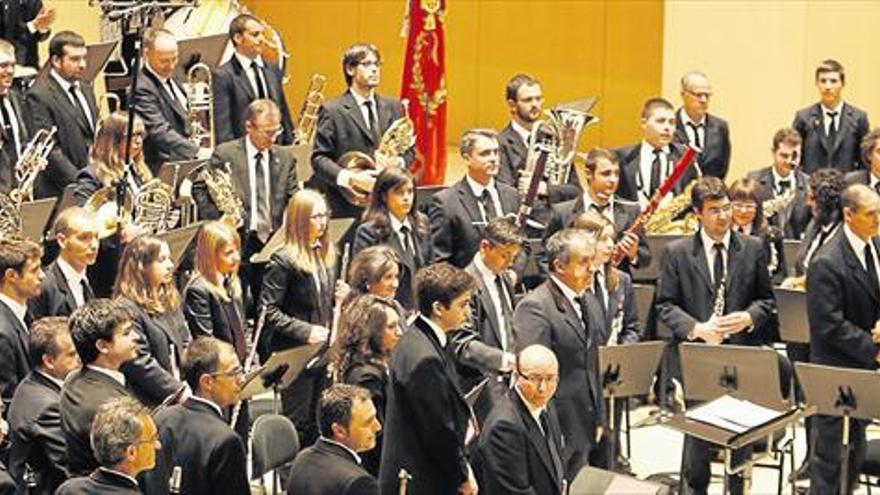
x: 438, y: 332
x: 344, y: 447
x: 49, y: 377
x: 708, y: 242
x: 246, y: 62
x: 533, y: 410
x: 478, y: 188
x: 208, y: 402
x: 18, y: 309
x: 569, y: 294
x: 686, y: 119
x: 838, y: 109
x: 65, y: 84
x: 647, y: 148
x: 162, y: 80
x: 600, y: 276
x: 777, y: 178
x: 484, y: 270
x: 73, y: 277
x: 396, y: 224
x: 522, y: 131
x: 360, y: 100
x: 588, y: 201
x: 119, y: 474
x: 857, y: 244
x: 114, y: 374
x: 252, y: 150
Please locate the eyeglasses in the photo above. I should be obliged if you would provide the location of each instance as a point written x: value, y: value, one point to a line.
x: 541, y: 379
x: 700, y: 94
x: 719, y: 210
x: 745, y: 206
x: 234, y: 372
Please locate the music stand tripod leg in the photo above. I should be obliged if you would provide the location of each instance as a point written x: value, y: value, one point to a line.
x: 612, y: 439
x: 844, y: 463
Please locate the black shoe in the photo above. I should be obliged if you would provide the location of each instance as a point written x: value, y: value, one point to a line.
x: 623, y: 466
x: 802, y: 473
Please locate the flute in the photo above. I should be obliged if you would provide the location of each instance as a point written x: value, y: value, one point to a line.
x: 249, y: 362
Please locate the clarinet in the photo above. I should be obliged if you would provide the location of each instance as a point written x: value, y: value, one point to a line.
x: 403, y: 476
x: 251, y: 359
x: 175, y: 480
x: 718, y: 305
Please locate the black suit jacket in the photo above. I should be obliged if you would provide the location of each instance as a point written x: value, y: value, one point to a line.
x: 16, y: 14
x: 842, y: 306
x: 82, y: 394
x: 456, y: 224
x: 56, y: 298
x: 326, y: 468
x: 210, y: 454
x: 629, y: 170
x: 813, y: 230
x: 341, y: 128
x: 208, y: 314
x: 35, y: 434
x: 513, y: 456
x: 844, y: 153
x: 165, y: 120
x: 793, y: 219
x: 858, y: 177
x: 50, y: 106
x: 233, y: 93
x: 424, y: 432
x: 715, y: 157
x: 100, y: 482
x: 513, y: 155
x: 368, y: 234
x: 15, y: 362
x: 620, y: 303
x: 8, y: 156
x: 282, y: 183
x: 373, y: 377
x: 546, y: 317
x: 149, y: 374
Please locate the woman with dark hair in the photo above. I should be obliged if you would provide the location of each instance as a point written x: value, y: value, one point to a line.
x: 824, y: 189
x: 368, y: 333
x: 375, y: 270
x: 749, y: 218
x: 390, y: 219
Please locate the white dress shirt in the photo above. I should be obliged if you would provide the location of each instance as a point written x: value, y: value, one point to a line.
x: 569, y: 294
x: 709, y: 249
x: 858, y: 246
x: 360, y: 100
x: 247, y: 64
x: 489, y: 278
x: 396, y: 226
x: 478, y: 189
x: 116, y: 375
x: 524, y: 133
x: 701, y: 129
x: 74, y: 281
x: 81, y: 103
x: 790, y: 178
x: 18, y: 309
x: 607, y: 210
x: 13, y: 123
x: 251, y: 152
x: 826, y: 119
x: 438, y: 332
x: 646, y: 160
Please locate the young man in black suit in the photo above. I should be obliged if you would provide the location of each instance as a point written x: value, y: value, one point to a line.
x: 126, y: 441
x: 104, y: 340
x: 871, y: 159
x: 66, y: 285
x: 20, y: 278
x: 246, y: 77
x: 332, y: 466
x: 195, y: 435
x: 831, y: 129
x: 459, y: 213
x: 557, y: 315
x: 26, y: 23
x: 426, y: 433
x: 161, y: 102
x: 13, y: 119
x: 714, y: 288
x: 520, y: 447
x: 61, y: 98
x: 783, y: 179
x: 843, y: 306
x: 37, y: 442
x: 695, y: 127
x: 355, y: 121
x: 644, y: 166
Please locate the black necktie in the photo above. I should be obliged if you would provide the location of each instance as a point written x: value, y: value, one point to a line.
x: 695, y: 128
x: 600, y: 294
x: 374, y: 124
x: 238, y: 337
x: 655, y: 171
x: 407, y: 241
x: 258, y: 78
x: 877, y: 187
x: 832, y: 128
x: 325, y: 295
x: 870, y: 266
x: 718, y: 266
x: 488, y: 205
x: 600, y: 209
x: 8, y: 132
x: 783, y: 186
x: 76, y: 102
x: 264, y: 227
x: 87, y: 292
x: 506, y: 312
x: 585, y: 312
x: 551, y: 443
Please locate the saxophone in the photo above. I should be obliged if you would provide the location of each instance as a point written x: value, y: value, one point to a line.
x: 664, y: 219
x: 775, y: 205
x: 218, y: 181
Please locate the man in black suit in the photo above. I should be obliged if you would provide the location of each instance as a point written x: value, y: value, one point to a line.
x: 644, y: 166
x: 244, y: 78
x: 695, y: 127
x: 843, y: 306
x: 557, y: 315
x: 66, y: 285
x: 783, y: 179
x: 161, y: 102
x: 61, y: 98
x: 103, y: 336
x: 824, y: 189
x: 13, y: 120
x: 356, y: 121
x: 714, y: 288
x: 427, y: 433
x: 520, y: 447
x: 20, y: 278
x: 195, y: 435
x: 37, y: 442
x: 831, y: 129
x: 871, y: 158
x: 26, y: 23
x: 126, y: 441
x: 332, y: 466
x: 459, y: 213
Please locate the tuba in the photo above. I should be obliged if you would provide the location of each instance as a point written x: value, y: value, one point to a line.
x: 200, y: 104
x: 399, y: 137
x: 308, y: 116
x: 218, y: 182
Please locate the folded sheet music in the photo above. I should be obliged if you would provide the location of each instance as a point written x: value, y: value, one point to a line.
x: 732, y: 414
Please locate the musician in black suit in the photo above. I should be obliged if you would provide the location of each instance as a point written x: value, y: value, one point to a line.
x: 332, y: 466
x: 20, y: 278
x: 427, y: 433
x: 355, y: 121
x: 783, y: 179
x: 162, y: 102
x: 871, y: 158
x: 66, y: 285
x: 695, y: 127
x: 246, y: 77
x: 37, y: 442
x: 60, y: 98
x: 195, y: 435
x: 25, y: 23
x: 824, y: 190
x: 714, y: 288
x: 104, y: 340
x: 644, y: 166
x: 13, y: 119
x: 831, y: 129
x: 392, y: 219
x: 520, y: 446
x: 843, y: 306
x: 126, y: 441
x: 460, y: 212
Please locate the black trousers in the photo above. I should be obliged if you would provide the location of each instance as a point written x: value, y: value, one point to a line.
x: 697, y: 470
x: 826, y: 460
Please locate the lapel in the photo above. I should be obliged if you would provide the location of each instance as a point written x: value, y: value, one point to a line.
x: 468, y: 201
x: 734, y: 263
x: 855, y: 266
x: 241, y: 172
x: 614, y: 299
x: 449, y: 366
x: 537, y: 439
x: 61, y: 283
x: 242, y: 80
x: 629, y: 169
x: 818, y: 122
x: 16, y: 102
x: 20, y: 330
x: 162, y: 323
x: 354, y: 112
x: 486, y: 302
x: 407, y: 258
x: 276, y: 184
x: 702, y: 264
x: 41, y: 380
x: 680, y: 132
x: 514, y: 143
x: 173, y: 103
x: 847, y: 125
x: 63, y: 102
x: 571, y: 317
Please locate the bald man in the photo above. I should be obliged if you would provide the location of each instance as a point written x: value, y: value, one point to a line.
x: 696, y: 128
x: 520, y: 447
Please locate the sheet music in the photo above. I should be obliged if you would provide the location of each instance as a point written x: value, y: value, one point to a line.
x: 732, y: 414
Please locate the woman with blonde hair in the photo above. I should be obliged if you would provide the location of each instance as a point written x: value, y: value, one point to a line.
x: 146, y: 282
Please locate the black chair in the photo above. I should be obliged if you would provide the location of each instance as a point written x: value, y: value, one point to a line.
x: 274, y: 445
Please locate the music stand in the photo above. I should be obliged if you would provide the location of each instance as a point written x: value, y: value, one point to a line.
x: 644, y: 302
x: 790, y: 248
x: 591, y: 480
x: 657, y: 247
x: 279, y: 372
x: 174, y: 173
x: 35, y: 217
x: 791, y: 305
x: 180, y: 241
x: 205, y: 49
x: 97, y: 55
x: 626, y: 371
x: 845, y: 392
